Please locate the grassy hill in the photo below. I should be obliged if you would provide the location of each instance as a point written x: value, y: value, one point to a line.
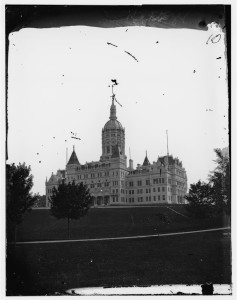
x: 111, y: 222
x: 43, y: 269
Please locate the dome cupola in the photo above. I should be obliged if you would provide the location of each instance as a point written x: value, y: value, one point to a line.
x: 113, y: 134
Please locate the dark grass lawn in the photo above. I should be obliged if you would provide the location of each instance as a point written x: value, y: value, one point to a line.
x: 187, y: 259
x: 111, y: 222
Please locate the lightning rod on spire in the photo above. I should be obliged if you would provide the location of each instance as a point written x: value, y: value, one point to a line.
x: 114, y: 82
x: 167, y: 143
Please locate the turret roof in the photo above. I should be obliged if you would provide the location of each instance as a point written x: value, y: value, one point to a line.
x: 146, y: 161
x: 73, y: 159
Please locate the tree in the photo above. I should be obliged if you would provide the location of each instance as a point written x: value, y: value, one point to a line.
x: 199, y: 198
x: 19, y: 182
x: 70, y: 201
x: 212, y: 198
x: 220, y: 181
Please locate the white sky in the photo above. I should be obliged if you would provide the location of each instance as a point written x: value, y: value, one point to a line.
x: 55, y: 72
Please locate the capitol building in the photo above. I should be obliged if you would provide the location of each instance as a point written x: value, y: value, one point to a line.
x: 112, y: 182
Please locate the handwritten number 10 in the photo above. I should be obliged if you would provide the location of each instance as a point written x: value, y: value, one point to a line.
x: 215, y: 39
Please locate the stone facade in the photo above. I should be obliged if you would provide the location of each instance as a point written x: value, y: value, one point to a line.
x: 111, y: 182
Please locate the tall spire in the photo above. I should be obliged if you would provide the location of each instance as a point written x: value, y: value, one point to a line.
x: 146, y: 161
x: 113, y: 108
x: 167, y: 143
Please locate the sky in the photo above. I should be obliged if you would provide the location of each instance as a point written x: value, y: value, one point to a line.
x: 59, y: 83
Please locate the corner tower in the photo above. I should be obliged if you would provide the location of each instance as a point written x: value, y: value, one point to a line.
x: 113, y: 135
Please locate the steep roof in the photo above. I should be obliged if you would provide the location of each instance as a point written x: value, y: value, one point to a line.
x: 53, y: 179
x: 73, y: 159
x: 146, y: 161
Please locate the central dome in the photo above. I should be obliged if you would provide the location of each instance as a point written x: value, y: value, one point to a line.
x: 113, y: 137
x: 113, y: 124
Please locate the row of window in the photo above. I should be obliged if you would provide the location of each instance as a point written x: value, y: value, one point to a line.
x: 148, y: 199
x: 148, y: 182
x: 122, y: 174
x: 98, y: 175
x: 94, y: 166
x: 115, y: 199
x: 145, y: 199
x: 148, y: 191
x: 112, y: 148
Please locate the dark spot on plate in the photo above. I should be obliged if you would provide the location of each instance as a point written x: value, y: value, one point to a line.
x: 202, y: 24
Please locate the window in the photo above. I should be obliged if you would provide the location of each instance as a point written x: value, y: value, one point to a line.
x: 163, y: 197
x: 147, y: 182
x: 155, y: 181
x: 108, y: 149
x: 154, y: 198
x: 159, y: 198
x: 159, y: 180
x: 158, y: 189
x: 163, y: 180
x: 154, y: 189
x: 139, y: 183
x: 130, y: 183
x: 163, y: 188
